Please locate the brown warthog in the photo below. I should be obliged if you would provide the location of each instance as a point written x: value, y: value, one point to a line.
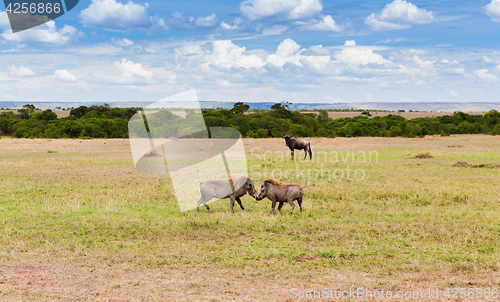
x: 299, y: 144
x: 277, y: 191
x: 221, y: 189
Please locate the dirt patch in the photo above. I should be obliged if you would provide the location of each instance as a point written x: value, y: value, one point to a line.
x: 306, y: 258
x: 152, y: 154
x: 456, y: 146
x: 424, y: 155
x: 462, y: 164
x: 486, y: 166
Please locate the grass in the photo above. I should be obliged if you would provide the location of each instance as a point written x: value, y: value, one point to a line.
x: 406, y: 216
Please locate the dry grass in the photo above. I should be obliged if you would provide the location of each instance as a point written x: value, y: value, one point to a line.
x: 406, y: 115
x: 60, y: 113
x: 79, y: 223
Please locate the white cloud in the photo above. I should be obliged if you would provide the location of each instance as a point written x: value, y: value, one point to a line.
x: 208, y: 21
x: 287, y: 51
x: 227, y: 55
x: 452, y: 93
x: 224, y: 83
x: 132, y: 74
x: 131, y: 69
x: 483, y: 75
x: 180, y: 22
x: 357, y: 57
x: 325, y: 24
x: 122, y: 42
x: 497, y: 69
x: 493, y: 10
x: 113, y: 15
x: 378, y: 25
x: 4, y: 20
x: 398, y: 15
x: 397, y: 40
x: 46, y: 33
x: 281, y: 9
x: 21, y: 71
x: 350, y: 43
x: 459, y: 70
x: 317, y: 63
x: 237, y: 24
x: 64, y: 76
x: 274, y: 30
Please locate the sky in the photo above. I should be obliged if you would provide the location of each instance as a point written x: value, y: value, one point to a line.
x: 257, y: 51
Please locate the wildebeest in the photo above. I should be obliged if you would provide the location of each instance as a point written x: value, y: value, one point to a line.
x: 299, y: 144
x: 221, y: 189
x: 280, y: 192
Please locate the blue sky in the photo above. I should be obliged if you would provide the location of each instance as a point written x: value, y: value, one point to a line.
x: 258, y: 50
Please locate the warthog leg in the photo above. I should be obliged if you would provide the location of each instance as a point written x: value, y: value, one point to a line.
x: 299, y: 201
x: 239, y: 202
x: 273, y: 205
x: 290, y: 201
x: 232, y: 203
x: 280, y: 206
x: 203, y: 201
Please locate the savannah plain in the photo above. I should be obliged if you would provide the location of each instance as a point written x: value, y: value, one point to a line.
x: 79, y: 223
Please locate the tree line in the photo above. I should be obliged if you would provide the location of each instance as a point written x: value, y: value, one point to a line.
x: 84, y: 122
x: 106, y: 122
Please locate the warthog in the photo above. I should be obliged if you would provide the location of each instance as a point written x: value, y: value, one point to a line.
x: 221, y: 189
x: 299, y: 144
x: 277, y: 191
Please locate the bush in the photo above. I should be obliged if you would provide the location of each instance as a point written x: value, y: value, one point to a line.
x: 496, y: 130
x: 251, y: 134
x: 262, y: 133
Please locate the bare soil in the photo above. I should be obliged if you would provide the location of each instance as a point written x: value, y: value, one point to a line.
x: 462, y: 164
x: 88, y: 281
x: 423, y: 155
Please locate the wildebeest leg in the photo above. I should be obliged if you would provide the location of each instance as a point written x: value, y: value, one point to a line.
x: 232, y: 203
x: 292, y: 153
x: 310, y: 153
x: 299, y: 201
x: 239, y: 202
x: 305, y: 154
x: 280, y: 206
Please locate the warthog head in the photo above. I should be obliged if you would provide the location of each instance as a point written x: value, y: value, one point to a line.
x: 265, y: 187
x: 262, y: 194
x: 250, y: 188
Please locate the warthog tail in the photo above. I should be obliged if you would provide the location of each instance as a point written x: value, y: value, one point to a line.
x: 313, y: 185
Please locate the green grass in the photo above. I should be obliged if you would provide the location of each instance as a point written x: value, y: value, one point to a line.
x: 408, y: 215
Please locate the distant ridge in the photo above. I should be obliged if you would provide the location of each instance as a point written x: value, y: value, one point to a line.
x: 429, y: 107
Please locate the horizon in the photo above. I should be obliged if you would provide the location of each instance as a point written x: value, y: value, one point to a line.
x: 476, y: 107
